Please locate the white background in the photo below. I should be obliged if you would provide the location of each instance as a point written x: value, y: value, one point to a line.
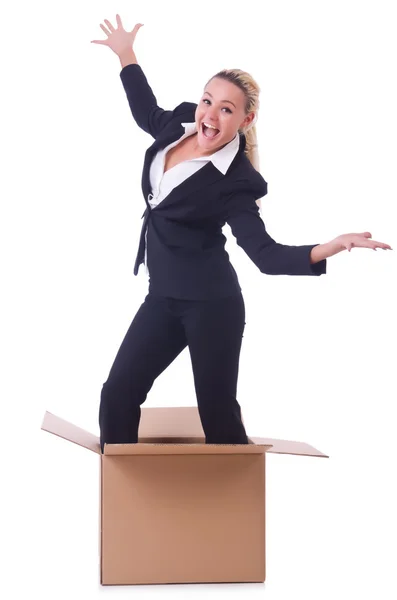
x: 319, y: 353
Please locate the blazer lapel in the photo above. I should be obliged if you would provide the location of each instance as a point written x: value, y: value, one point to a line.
x: 161, y: 142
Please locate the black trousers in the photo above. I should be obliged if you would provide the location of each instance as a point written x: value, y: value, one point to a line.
x: 161, y: 329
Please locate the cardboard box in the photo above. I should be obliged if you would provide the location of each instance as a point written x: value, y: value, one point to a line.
x: 175, y: 509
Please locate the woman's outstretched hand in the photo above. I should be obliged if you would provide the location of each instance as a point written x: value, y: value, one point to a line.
x: 359, y: 240
x: 346, y: 241
x: 119, y: 40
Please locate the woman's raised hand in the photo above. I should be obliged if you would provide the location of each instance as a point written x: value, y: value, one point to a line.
x: 119, y: 40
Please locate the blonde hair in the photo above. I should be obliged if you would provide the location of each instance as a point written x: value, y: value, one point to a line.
x: 251, y: 90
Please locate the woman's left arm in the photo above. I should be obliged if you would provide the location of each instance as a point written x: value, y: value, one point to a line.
x: 271, y: 257
x: 274, y: 258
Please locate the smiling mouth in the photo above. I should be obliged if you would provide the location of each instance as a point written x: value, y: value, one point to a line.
x: 208, y: 132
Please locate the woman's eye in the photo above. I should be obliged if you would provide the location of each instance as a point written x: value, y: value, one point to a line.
x: 206, y: 100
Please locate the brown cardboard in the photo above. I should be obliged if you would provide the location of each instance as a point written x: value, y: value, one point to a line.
x: 68, y: 431
x: 175, y: 509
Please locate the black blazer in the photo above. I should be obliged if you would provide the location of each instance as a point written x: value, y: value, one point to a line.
x: 185, y: 246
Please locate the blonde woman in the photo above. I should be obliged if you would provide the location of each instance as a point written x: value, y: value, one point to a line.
x: 201, y: 172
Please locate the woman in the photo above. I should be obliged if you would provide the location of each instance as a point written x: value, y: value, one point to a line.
x: 200, y: 173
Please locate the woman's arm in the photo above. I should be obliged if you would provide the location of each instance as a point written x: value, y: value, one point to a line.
x: 280, y: 259
x: 268, y: 255
x: 143, y: 104
x: 128, y: 58
x: 322, y: 251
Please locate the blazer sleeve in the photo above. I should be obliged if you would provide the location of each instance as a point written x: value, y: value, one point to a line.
x: 143, y: 104
x: 268, y: 255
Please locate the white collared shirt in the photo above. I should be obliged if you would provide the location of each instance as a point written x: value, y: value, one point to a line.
x: 163, y: 183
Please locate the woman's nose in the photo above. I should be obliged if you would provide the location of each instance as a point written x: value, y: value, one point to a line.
x: 211, y: 118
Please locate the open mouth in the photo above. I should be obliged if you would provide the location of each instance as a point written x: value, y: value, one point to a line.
x: 209, y: 133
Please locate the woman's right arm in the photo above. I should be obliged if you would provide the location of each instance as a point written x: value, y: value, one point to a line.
x: 128, y: 58
x: 143, y: 104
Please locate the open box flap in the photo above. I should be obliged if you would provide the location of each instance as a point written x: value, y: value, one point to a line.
x: 170, y: 421
x: 180, y: 428
x: 288, y: 447
x: 70, y: 432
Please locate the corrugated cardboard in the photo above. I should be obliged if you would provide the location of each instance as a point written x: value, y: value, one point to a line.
x: 175, y: 509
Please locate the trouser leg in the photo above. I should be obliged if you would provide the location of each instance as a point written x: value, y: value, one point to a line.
x: 214, y: 332
x: 153, y: 340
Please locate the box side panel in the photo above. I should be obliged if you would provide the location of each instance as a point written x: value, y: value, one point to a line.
x: 183, y: 519
x: 264, y: 517
x: 100, y: 527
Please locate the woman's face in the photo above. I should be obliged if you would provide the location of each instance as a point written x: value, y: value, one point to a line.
x: 222, y: 106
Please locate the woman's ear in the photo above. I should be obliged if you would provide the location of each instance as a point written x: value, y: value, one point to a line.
x: 248, y: 120
x: 252, y: 117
